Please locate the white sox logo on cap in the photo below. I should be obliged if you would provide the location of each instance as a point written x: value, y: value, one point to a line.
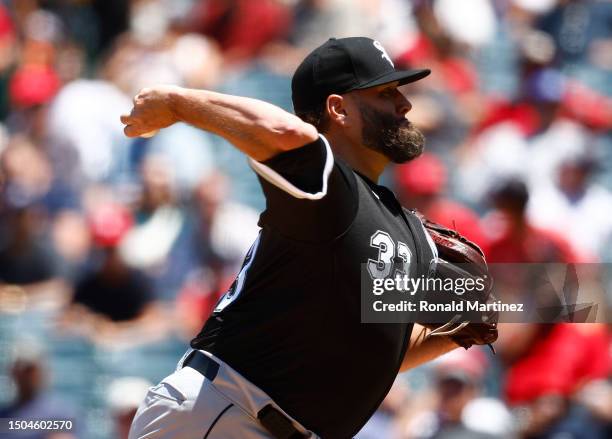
x: 384, y: 55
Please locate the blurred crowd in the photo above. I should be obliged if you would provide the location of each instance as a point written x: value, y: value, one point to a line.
x: 109, y: 244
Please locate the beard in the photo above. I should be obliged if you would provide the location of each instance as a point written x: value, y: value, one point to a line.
x: 396, y: 139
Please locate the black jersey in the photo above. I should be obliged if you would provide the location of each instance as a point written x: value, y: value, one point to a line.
x: 290, y: 323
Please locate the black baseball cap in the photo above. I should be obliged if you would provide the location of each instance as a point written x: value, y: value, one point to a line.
x: 344, y: 64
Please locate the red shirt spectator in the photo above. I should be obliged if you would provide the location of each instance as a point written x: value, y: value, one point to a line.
x: 514, y: 239
x: 530, y: 244
x: 242, y: 27
x: 421, y: 184
x: 559, y: 362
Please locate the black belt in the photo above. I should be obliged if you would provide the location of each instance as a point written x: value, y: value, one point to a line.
x: 203, y: 364
x: 270, y: 417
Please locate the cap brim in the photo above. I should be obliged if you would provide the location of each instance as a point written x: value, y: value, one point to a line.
x: 403, y: 76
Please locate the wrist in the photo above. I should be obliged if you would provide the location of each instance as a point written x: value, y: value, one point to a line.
x: 175, y: 99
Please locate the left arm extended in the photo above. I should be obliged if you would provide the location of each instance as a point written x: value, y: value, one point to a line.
x: 421, y: 351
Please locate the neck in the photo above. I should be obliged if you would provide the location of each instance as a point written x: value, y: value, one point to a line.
x: 359, y: 157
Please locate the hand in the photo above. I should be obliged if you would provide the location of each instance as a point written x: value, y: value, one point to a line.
x: 152, y: 111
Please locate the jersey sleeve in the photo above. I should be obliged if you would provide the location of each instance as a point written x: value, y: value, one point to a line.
x: 309, y: 195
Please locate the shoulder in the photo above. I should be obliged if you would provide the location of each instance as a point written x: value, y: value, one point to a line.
x: 302, y: 172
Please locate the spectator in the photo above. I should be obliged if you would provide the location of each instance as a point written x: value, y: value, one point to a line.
x: 34, y: 81
x: 528, y: 143
x: 421, y: 184
x: 189, y: 152
x: 575, y: 206
x: 385, y: 422
x: 514, y: 238
x: 24, y: 258
x: 544, y: 378
x: 113, y: 17
x: 227, y: 227
x: 458, y: 377
x: 316, y: 19
x: 84, y: 139
x: 9, y: 50
x: 159, y: 243
x: 33, y: 401
x: 224, y: 231
x: 113, y: 303
x: 124, y: 397
x: 111, y: 288
x: 28, y: 199
x: 199, y: 295
x: 242, y: 27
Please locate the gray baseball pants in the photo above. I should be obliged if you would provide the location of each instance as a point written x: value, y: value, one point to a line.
x: 220, y: 405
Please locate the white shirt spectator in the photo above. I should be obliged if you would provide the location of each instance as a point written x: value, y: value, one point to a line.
x: 85, y: 117
x: 503, y: 152
x: 586, y: 222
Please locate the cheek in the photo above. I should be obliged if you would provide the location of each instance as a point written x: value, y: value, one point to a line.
x: 353, y: 122
x: 352, y: 113
x: 358, y: 123
x: 354, y: 131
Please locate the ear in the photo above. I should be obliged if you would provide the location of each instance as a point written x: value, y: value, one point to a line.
x: 336, y: 109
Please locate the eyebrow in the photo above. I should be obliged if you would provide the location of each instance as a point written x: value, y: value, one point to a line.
x: 388, y: 88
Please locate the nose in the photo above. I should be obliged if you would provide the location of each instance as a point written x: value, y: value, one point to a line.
x: 403, y: 105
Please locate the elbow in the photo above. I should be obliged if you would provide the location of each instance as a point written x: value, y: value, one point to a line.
x: 292, y: 134
x: 275, y: 137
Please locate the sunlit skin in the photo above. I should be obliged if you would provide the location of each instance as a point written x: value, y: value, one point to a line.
x: 346, y: 129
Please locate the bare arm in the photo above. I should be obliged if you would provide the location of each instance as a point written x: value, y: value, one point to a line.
x: 421, y: 351
x: 257, y: 128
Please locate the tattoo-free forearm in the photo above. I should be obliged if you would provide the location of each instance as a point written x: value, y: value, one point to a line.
x: 259, y: 129
x: 421, y: 350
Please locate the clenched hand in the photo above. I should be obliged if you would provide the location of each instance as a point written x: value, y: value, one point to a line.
x: 151, y: 111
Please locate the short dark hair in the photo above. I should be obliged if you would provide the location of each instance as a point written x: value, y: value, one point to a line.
x: 511, y: 194
x: 316, y: 116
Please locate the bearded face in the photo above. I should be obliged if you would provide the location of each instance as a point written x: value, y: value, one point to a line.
x: 397, y: 139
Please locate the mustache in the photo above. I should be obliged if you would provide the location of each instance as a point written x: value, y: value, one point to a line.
x: 395, y: 137
x: 404, y: 121
x: 401, y: 124
x: 401, y: 127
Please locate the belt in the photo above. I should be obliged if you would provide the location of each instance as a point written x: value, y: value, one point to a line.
x: 269, y: 417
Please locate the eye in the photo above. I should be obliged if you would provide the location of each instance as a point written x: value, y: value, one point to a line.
x: 387, y: 92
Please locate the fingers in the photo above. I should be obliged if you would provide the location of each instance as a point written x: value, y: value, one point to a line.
x: 134, y: 127
x: 132, y: 131
x: 138, y: 122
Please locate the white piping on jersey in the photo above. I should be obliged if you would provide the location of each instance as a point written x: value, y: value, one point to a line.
x: 280, y: 182
x: 433, y: 247
x: 240, y: 279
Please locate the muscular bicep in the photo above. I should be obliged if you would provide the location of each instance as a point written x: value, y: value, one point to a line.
x: 309, y: 196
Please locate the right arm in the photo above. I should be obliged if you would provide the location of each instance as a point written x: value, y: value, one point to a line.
x: 307, y: 196
x: 257, y: 128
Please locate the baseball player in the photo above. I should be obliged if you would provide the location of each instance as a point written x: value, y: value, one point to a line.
x: 284, y: 354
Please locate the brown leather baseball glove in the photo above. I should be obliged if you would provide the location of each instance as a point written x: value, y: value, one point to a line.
x: 458, y: 257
